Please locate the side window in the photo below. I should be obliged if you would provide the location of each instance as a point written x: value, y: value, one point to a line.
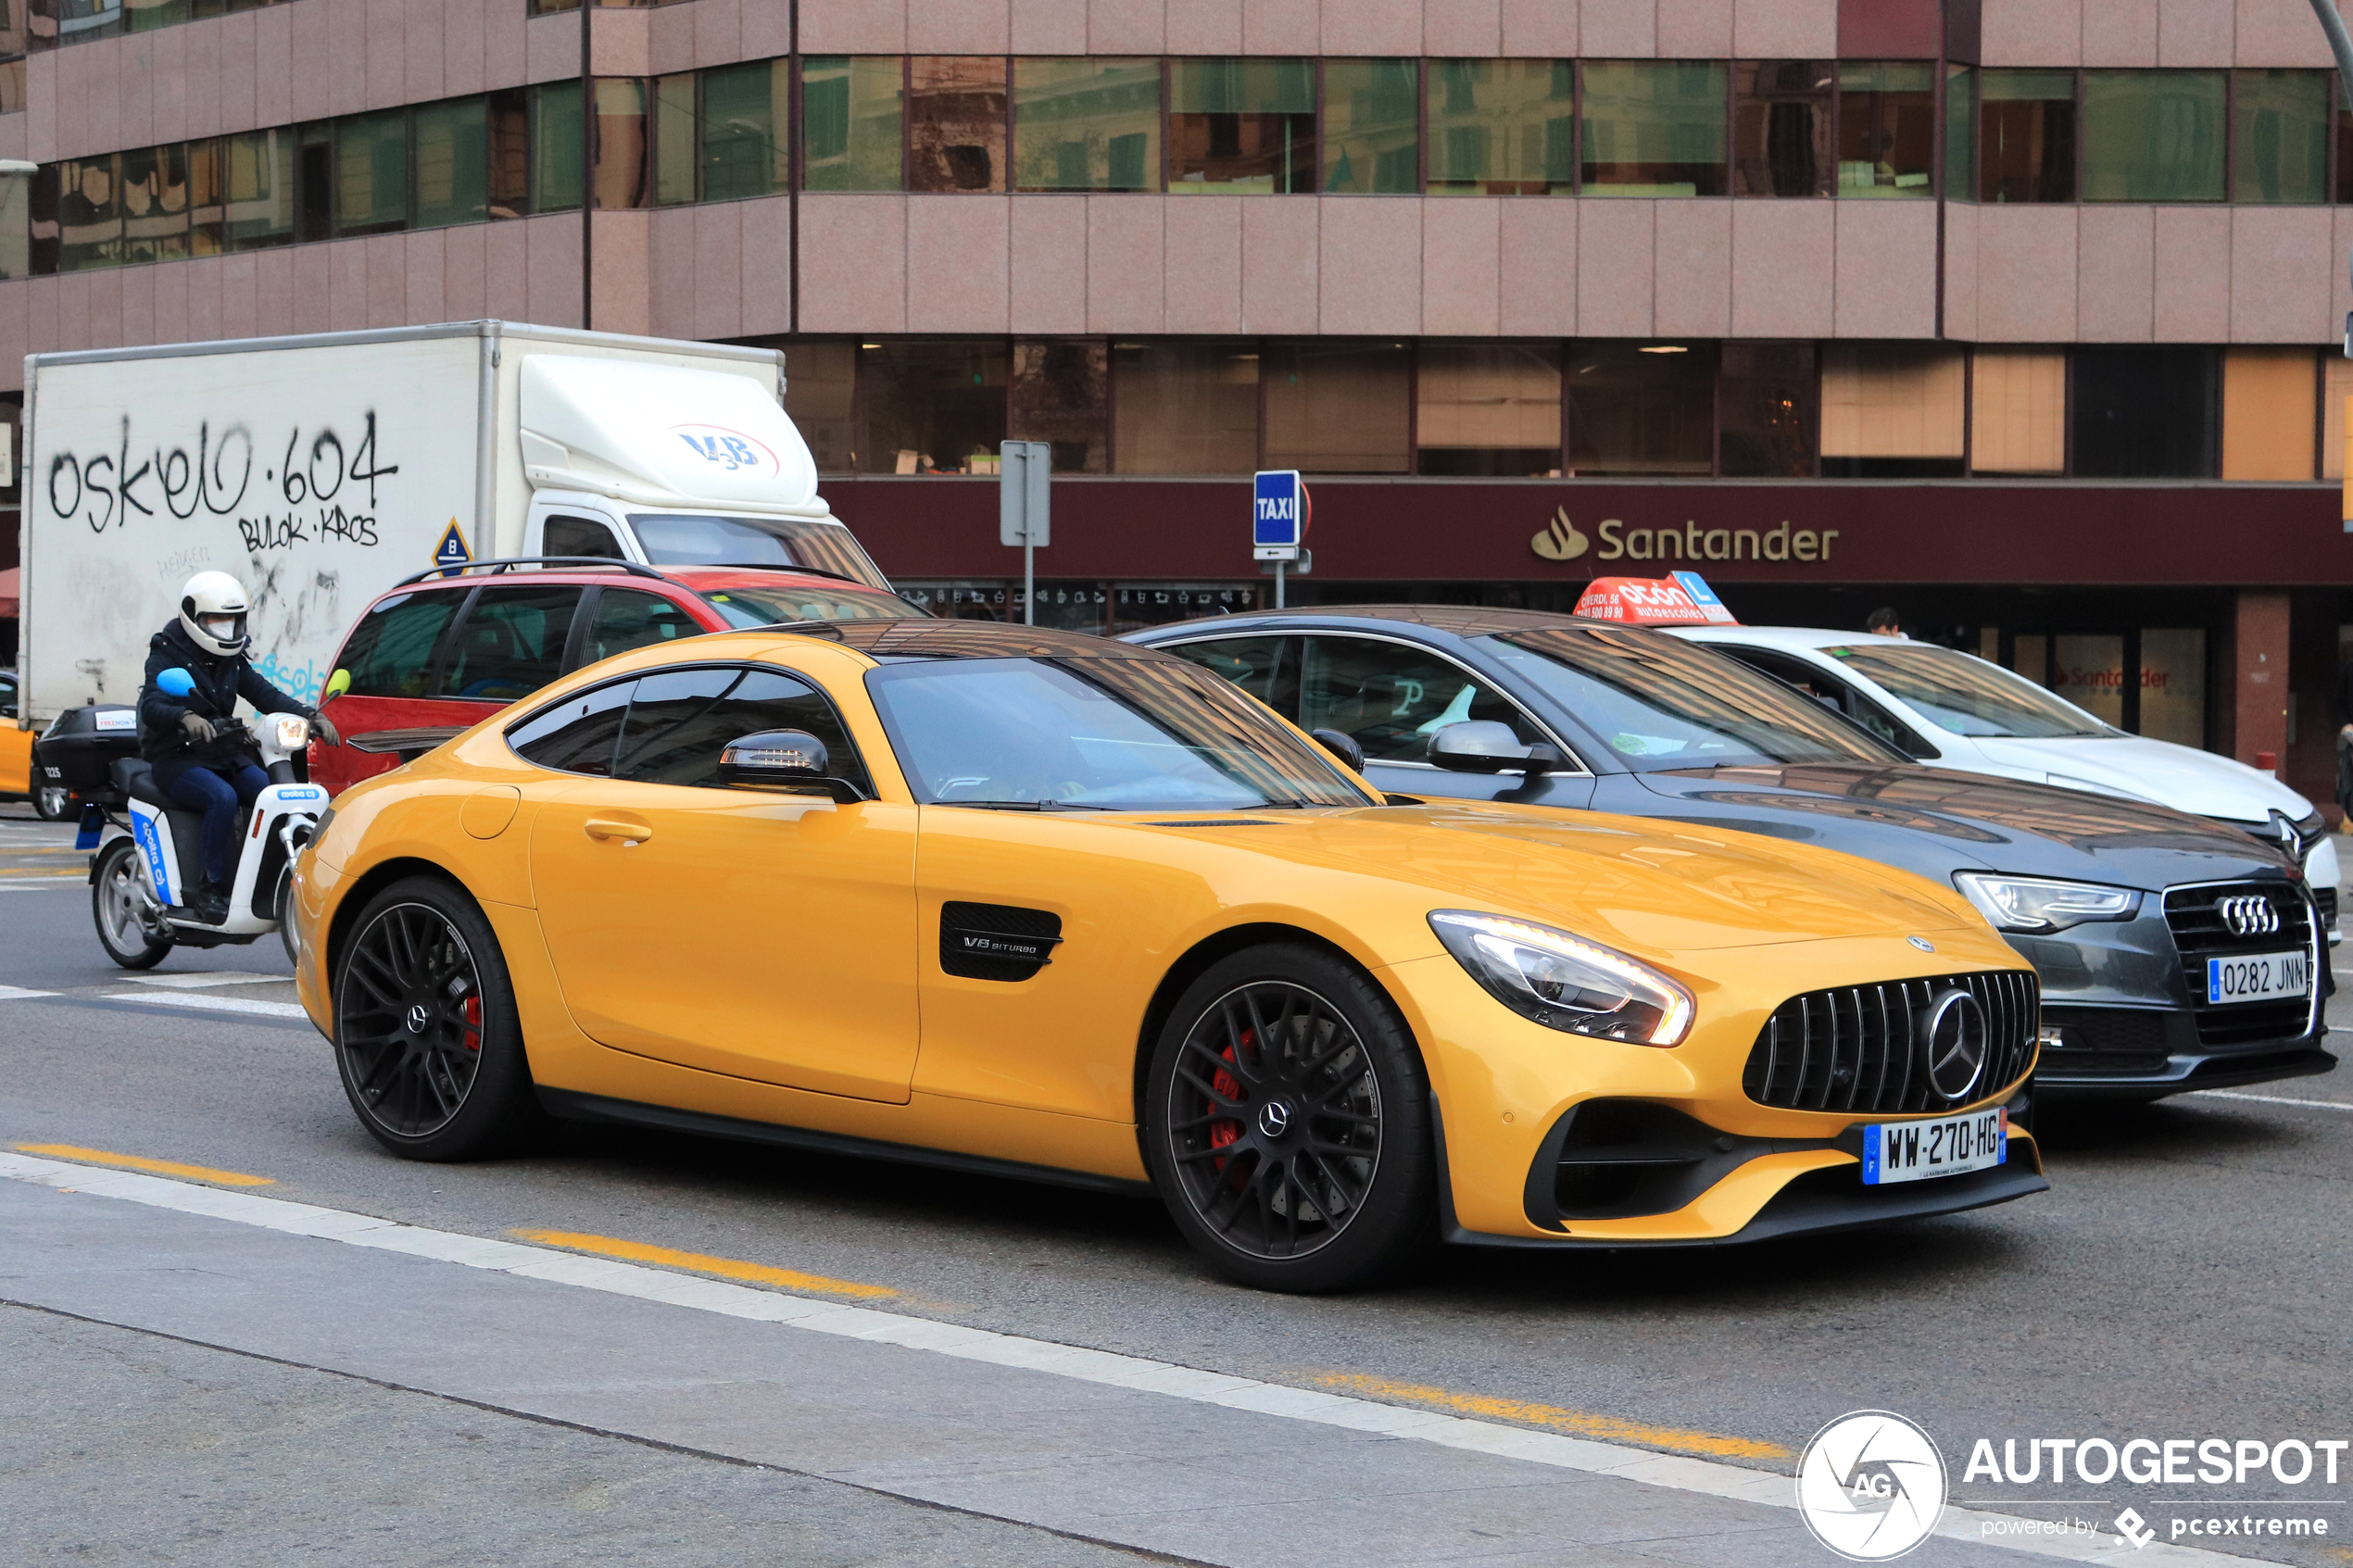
x: 1393, y: 697
x: 627, y: 619
x: 680, y: 720
x: 577, y: 736
x: 510, y: 643
x: 579, y: 536
x: 390, y: 653
x: 1255, y: 664
x: 1836, y: 694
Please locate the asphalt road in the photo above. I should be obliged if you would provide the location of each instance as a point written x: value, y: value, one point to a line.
x: 2190, y: 1274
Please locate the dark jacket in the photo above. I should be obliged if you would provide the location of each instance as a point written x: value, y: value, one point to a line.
x: 219, y: 682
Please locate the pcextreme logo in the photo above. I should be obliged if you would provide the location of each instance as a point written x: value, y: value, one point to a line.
x: 1871, y: 1485
x: 1562, y: 540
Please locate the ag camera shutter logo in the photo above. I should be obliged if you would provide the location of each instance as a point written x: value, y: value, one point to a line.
x: 1871, y: 1485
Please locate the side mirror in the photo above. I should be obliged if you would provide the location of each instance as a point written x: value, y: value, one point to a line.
x: 786, y: 759
x: 1342, y: 744
x: 1482, y: 746
x: 175, y: 683
x: 337, y: 683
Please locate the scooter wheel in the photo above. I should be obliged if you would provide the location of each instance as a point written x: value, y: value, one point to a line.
x: 117, y: 907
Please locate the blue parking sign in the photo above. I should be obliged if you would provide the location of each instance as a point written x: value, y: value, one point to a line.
x: 1278, y: 510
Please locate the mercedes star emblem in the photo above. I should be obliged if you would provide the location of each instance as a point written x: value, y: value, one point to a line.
x: 1274, y: 1118
x: 418, y: 1019
x: 1923, y: 942
x: 1955, y: 1032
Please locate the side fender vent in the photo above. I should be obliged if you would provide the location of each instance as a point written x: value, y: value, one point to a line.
x: 996, y: 941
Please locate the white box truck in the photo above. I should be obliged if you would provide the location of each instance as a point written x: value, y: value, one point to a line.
x: 323, y: 469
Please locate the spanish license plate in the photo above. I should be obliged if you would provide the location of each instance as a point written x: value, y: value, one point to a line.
x: 1913, y: 1151
x: 2259, y: 977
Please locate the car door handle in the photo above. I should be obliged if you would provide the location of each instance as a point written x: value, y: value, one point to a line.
x: 622, y: 828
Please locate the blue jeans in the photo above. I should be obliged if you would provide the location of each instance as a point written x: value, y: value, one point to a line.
x: 220, y: 796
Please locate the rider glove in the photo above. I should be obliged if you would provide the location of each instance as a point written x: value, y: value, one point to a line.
x: 199, y: 728
x: 322, y: 730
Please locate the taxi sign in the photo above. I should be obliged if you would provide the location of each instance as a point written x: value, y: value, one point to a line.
x: 1652, y: 601
x: 1279, y: 514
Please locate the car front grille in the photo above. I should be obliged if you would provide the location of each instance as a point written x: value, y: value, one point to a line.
x: 2326, y: 899
x: 1862, y: 1047
x: 2195, y: 916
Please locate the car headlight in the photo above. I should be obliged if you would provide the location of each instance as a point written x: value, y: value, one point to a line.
x: 2025, y: 903
x: 1565, y: 981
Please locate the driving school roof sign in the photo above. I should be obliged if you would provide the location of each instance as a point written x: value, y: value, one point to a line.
x: 1653, y: 601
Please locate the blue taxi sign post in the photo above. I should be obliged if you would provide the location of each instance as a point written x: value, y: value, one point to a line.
x: 1279, y: 515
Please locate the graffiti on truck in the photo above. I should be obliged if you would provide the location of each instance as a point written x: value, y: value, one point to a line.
x: 311, y: 491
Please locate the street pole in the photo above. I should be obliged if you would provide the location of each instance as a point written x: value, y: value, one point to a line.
x: 1279, y: 585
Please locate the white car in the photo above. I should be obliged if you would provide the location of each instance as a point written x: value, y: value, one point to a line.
x: 1951, y: 709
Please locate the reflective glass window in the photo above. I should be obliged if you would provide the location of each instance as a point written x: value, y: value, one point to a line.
x: 1392, y: 698
x: 2143, y: 412
x: 1886, y: 129
x: 390, y: 652
x: 1488, y: 409
x: 555, y: 147
x: 1086, y: 124
x: 1060, y: 395
x: 931, y: 406
x: 511, y: 643
x: 372, y: 172
x: 259, y: 188
x: 453, y: 162
x: 1654, y: 128
x: 956, y: 109
x: 1642, y: 408
x: 1504, y: 128
x: 853, y: 128
x: 622, y: 171
x: 2280, y: 135
x: 1764, y: 410
x: 1372, y: 127
x: 1242, y: 127
x: 1782, y: 128
x: 2026, y: 136
x: 676, y: 152
x: 746, y: 140
x: 1185, y: 406
x: 1336, y: 407
x: 2153, y: 136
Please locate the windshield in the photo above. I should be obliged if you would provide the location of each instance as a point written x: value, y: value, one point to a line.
x: 1965, y: 694
x: 774, y: 607
x: 682, y: 539
x: 1661, y: 703
x: 1122, y: 734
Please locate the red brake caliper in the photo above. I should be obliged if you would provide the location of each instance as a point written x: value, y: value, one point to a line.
x: 1225, y: 1130
x: 474, y: 1023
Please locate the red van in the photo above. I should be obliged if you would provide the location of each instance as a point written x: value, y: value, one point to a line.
x: 441, y: 652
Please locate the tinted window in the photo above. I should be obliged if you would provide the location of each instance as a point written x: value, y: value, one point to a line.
x: 627, y: 619
x: 680, y: 720
x: 774, y: 607
x: 673, y: 539
x: 579, y: 536
x: 1838, y: 695
x: 1392, y: 698
x: 1967, y: 695
x: 578, y: 735
x: 510, y: 643
x: 390, y: 653
x: 1661, y: 703
x: 1253, y: 663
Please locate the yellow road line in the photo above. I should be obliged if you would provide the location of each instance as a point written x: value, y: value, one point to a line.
x: 1607, y: 1427
x: 141, y: 1162
x: 704, y: 1263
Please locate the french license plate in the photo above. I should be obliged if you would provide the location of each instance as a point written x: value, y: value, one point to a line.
x: 1913, y: 1151
x: 2259, y: 977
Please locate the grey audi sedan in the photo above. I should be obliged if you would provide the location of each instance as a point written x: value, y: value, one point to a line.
x: 2174, y: 954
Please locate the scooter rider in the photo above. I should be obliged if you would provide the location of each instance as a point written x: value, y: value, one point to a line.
x: 195, y: 765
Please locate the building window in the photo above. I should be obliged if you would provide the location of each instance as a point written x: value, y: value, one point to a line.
x: 1082, y: 124
x: 2018, y: 411
x: 1185, y: 406
x: 1242, y: 127
x: 1339, y: 408
x: 372, y: 173
x: 821, y: 383
x: 1960, y: 132
x: 1654, y: 128
x: 155, y: 204
x: 678, y: 157
x: 1062, y: 395
x: 453, y: 162
x: 2270, y: 413
x: 2172, y: 685
x: 956, y: 109
x: 2026, y: 136
x: 2143, y: 412
x: 555, y: 146
x: 1893, y: 411
x: 2336, y: 386
x: 2153, y: 136
x: 2280, y: 135
x: 260, y: 189
x: 1641, y: 409
x: 853, y: 125
x: 90, y: 212
x: 623, y: 168
x: 1764, y: 395
x: 1488, y: 409
x: 1886, y: 129
x: 1501, y: 128
x: 1372, y: 127
x: 1782, y: 128
x: 931, y: 407
x: 745, y: 149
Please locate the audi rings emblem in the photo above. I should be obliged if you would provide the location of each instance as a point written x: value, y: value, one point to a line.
x: 2250, y: 915
x: 1959, y: 1039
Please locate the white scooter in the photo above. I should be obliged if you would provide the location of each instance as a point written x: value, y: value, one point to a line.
x: 145, y: 868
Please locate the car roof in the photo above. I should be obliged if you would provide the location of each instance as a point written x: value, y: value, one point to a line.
x: 972, y: 639
x: 694, y: 579
x: 1462, y: 620
x: 1791, y: 637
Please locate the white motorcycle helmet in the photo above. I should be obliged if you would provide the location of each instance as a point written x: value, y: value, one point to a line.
x: 212, y: 607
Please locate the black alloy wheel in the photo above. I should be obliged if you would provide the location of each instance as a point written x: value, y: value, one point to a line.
x: 1288, y: 1123
x: 426, y: 1035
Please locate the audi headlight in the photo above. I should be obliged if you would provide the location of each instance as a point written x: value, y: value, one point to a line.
x: 1565, y: 981
x: 2025, y: 903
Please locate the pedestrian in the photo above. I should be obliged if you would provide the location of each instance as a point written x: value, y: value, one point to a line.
x: 1884, y: 623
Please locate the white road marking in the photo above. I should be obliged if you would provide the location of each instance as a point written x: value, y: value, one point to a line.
x: 18, y: 993
x: 2277, y: 1100
x: 31, y: 884
x: 1674, y: 1471
x: 209, y: 1004
x: 208, y: 977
